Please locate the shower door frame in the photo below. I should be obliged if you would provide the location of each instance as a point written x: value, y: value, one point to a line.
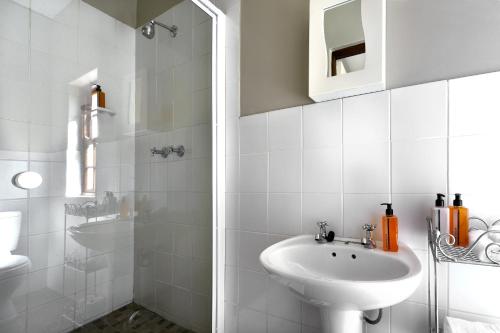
x: 218, y: 159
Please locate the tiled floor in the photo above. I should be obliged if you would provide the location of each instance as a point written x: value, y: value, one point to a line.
x: 144, y: 321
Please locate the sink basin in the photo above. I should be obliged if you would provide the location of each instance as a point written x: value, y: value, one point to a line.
x: 343, y: 278
x: 103, y: 236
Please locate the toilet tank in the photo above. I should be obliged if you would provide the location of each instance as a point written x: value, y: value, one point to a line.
x: 10, y: 228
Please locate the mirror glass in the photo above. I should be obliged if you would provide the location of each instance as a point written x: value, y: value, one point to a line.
x: 345, y: 38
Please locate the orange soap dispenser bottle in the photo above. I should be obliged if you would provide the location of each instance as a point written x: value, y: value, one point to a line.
x: 459, y: 222
x: 389, y: 229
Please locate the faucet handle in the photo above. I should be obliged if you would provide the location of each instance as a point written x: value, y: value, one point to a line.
x: 322, y: 224
x: 369, y: 227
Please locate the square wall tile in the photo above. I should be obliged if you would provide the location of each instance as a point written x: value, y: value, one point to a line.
x: 232, y: 239
x: 419, y: 166
x: 360, y: 209
x: 366, y: 168
x: 232, y: 210
x: 420, y: 295
x: 471, y: 291
x: 473, y: 317
x: 231, y: 277
x: 13, y: 136
x: 253, y: 173
x: 323, y: 124
x: 13, y: 102
x: 230, y: 317
x: 46, y: 250
x: 284, y: 213
x: 15, y: 22
x: 232, y: 137
x: 366, y: 118
x: 20, y: 205
x: 310, y: 315
x: 408, y: 317
x: 14, y: 62
x: 233, y: 174
x: 285, y: 171
x: 384, y: 326
x: 322, y: 170
x: 473, y: 165
x: 253, y: 212
x: 277, y: 325
x: 420, y: 111
x: 281, y: 302
x: 285, y: 129
x: 412, y: 211
x: 474, y: 104
x: 253, y: 134
x: 182, y: 272
x: 252, y: 290
x: 250, y: 321
x: 251, y: 245
x: 482, y: 204
x: 9, y: 169
x: 321, y: 207
x: 164, y: 267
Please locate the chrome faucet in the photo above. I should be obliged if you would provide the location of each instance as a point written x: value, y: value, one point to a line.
x: 165, y: 151
x: 321, y: 236
x: 368, y: 241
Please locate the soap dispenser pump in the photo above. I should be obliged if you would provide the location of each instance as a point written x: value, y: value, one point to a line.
x: 441, y: 215
x: 459, y: 222
x: 389, y: 229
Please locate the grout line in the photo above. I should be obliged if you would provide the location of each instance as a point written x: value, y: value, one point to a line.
x: 342, y: 190
x: 390, y: 147
x: 268, y: 175
x: 301, y: 145
x: 447, y: 184
x: 28, y: 195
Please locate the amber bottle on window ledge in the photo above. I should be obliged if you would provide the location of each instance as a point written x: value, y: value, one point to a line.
x: 98, y: 97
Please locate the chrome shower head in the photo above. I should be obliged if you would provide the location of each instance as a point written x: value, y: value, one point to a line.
x: 148, y: 30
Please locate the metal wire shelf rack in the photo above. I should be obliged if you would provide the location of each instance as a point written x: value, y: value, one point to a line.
x: 442, y: 250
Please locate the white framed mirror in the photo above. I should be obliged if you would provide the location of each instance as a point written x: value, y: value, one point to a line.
x: 346, y: 48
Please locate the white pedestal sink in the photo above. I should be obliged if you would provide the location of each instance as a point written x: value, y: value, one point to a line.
x: 103, y: 236
x: 343, y: 278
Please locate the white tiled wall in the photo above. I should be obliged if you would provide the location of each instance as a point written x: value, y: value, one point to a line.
x: 39, y: 57
x: 338, y: 161
x: 173, y: 238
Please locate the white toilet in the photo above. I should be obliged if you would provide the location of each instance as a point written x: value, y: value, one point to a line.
x: 12, y: 267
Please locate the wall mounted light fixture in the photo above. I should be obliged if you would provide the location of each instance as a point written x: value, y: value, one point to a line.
x: 27, y: 180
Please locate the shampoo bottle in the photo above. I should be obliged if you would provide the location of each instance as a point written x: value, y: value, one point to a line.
x: 389, y: 229
x: 441, y: 215
x: 98, y: 97
x: 459, y: 222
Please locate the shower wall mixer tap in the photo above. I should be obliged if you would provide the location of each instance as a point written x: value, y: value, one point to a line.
x: 165, y: 151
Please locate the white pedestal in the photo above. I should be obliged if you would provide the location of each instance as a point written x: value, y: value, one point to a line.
x: 341, y: 321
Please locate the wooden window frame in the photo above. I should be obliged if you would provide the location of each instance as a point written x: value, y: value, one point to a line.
x: 346, y: 52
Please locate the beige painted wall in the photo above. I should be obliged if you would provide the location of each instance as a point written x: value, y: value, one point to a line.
x: 133, y: 12
x: 427, y: 40
x: 274, y: 54
x: 147, y: 9
x: 122, y: 10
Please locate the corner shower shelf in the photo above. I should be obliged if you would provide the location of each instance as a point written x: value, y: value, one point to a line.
x: 89, y: 210
x: 99, y: 110
x: 442, y: 250
x: 104, y: 111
